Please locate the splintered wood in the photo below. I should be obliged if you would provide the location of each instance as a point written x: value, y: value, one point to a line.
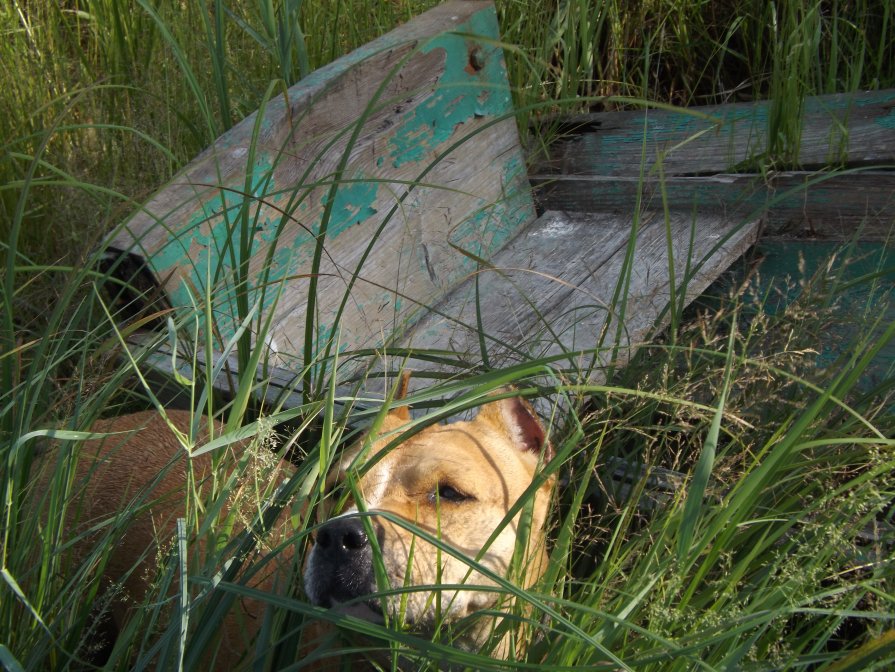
x: 398, y: 169
x: 392, y: 159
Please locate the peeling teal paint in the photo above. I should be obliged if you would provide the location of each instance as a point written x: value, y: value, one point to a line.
x: 281, y: 265
x: 461, y: 93
x: 201, y: 248
x: 213, y: 222
x: 353, y: 204
x: 471, y: 86
x: 888, y: 121
x: 863, y: 284
x: 487, y: 230
x: 266, y: 229
x: 672, y: 128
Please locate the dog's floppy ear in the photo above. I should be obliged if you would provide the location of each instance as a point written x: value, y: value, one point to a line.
x: 518, y: 420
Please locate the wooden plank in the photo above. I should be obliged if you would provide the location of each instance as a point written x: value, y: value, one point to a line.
x: 855, y: 129
x: 550, y: 290
x: 834, y: 205
x: 275, y: 387
x: 429, y: 103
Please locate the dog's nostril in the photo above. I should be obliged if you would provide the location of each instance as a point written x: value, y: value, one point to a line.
x: 323, y: 538
x: 342, y: 536
x: 354, y: 539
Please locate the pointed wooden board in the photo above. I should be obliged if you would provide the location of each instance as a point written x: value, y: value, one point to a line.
x: 548, y: 293
x: 551, y: 291
x: 391, y: 157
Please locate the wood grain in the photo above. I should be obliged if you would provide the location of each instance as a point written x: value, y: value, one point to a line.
x: 551, y: 290
x: 699, y: 159
x: 417, y: 131
x: 830, y: 205
x: 855, y: 129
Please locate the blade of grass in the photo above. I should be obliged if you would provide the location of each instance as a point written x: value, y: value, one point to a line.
x: 694, y: 504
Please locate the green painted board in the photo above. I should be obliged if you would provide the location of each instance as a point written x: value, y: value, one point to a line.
x: 401, y: 159
x: 860, y: 277
x: 699, y: 159
x: 855, y: 129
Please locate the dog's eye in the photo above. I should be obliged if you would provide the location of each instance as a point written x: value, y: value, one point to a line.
x: 448, y: 493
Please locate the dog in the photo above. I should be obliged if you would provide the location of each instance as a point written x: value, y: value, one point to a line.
x: 454, y: 482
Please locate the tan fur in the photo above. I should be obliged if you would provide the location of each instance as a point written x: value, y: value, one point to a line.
x: 147, y: 464
x: 481, y: 458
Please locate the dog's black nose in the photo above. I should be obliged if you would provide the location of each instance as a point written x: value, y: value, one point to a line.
x: 342, y: 538
x: 340, y: 568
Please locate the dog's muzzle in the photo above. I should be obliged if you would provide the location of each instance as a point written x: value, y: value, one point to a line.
x: 340, y: 566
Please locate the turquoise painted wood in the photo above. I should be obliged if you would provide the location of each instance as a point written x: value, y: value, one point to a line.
x: 370, y: 186
x: 856, y: 129
x: 704, y: 159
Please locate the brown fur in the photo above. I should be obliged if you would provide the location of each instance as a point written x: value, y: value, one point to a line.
x: 491, y: 459
x: 147, y: 464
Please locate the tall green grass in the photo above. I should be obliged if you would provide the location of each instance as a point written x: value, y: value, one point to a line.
x: 778, y: 555
x: 775, y: 554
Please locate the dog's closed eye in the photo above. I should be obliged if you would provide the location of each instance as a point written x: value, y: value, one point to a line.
x: 444, y: 492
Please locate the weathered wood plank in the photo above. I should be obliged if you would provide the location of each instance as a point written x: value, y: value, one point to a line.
x: 550, y: 291
x: 275, y: 386
x: 831, y: 205
x: 415, y: 129
x: 855, y: 129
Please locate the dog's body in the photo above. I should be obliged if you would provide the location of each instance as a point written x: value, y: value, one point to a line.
x: 142, y: 465
x: 455, y: 482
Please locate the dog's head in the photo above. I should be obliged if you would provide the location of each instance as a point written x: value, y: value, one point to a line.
x: 456, y: 482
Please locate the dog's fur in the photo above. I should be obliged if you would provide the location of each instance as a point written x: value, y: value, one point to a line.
x: 456, y: 481
x: 143, y: 467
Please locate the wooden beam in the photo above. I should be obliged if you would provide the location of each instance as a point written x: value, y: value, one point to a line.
x: 853, y: 129
x: 832, y: 205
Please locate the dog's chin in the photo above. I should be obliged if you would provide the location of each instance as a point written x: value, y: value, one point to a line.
x: 367, y: 611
